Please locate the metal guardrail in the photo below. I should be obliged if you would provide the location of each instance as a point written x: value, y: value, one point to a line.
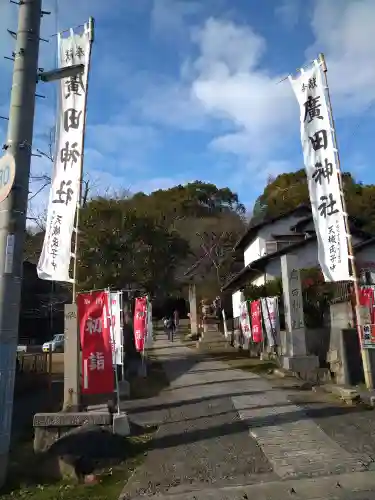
x: 32, y: 362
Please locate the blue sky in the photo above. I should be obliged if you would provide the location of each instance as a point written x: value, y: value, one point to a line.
x: 183, y: 90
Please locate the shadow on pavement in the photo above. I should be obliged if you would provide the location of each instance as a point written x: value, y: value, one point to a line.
x: 230, y: 428
x: 182, y: 402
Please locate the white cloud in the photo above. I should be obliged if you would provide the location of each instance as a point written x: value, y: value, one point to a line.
x: 343, y: 31
x: 153, y: 184
x: 288, y: 11
x: 226, y: 47
x: 232, y: 84
x: 173, y: 105
x: 119, y: 136
x: 169, y: 17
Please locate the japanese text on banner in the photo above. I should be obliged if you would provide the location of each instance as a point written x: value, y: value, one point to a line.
x: 367, y: 304
x: 66, y: 178
x: 140, y: 323
x: 322, y: 174
x: 95, y: 335
x: 245, y: 321
x: 270, y: 312
x: 256, y: 321
x: 117, y: 340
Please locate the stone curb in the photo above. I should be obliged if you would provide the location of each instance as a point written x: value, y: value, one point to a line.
x: 368, y: 398
x: 347, y: 394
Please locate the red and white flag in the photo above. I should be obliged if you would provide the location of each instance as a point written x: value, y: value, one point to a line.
x: 140, y: 323
x: 95, y: 335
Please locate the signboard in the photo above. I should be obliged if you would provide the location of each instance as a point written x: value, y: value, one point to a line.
x: 95, y: 334
x: 367, y: 315
x: 7, y: 175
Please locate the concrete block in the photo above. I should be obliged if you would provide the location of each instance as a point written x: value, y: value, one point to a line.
x: 324, y: 375
x: 368, y: 397
x: 279, y: 372
x: 121, y: 425
x: 347, y: 394
x: 76, y: 419
x: 333, y: 356
x: 99, y: 408
x: 300, y: 364
x: 49, y: 427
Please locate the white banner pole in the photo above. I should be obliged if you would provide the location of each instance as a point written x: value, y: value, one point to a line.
x: 121, y: 298
x: 76, y: 229
x: 109, y: 315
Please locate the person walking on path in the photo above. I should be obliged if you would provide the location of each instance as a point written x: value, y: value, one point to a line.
x: 170, y: 328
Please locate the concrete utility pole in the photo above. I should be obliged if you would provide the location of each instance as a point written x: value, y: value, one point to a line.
x: 13, y: 208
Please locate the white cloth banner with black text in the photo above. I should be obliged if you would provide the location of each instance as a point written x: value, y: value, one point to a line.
x: 245, y: 323
x: 116, y: 326
x: 321, y: 166
x: 270, y: 312
x: 55, y: 258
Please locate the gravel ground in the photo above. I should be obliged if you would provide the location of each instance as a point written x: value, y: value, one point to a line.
x: 353, y: 428
x: 201, y: 441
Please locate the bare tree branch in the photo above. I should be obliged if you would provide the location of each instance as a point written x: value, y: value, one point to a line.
x: 39, y: 191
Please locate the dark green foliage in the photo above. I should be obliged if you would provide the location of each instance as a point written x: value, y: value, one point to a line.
x: 288, y: 191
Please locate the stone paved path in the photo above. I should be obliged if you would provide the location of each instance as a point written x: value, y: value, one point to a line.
x: 222, y: 429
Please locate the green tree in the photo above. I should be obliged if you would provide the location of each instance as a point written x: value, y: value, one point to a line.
x: 120, y: 247
x: 201, y: 213
x: 289, y: 190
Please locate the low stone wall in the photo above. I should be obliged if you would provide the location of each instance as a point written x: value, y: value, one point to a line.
x: 58, y: 439
x: 31, y: 374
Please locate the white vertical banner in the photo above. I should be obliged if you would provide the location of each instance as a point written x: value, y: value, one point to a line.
x: 320, y: 158
x: 64, y: 195
x: 226, y: 333
x: 270, y: 312
x: 115, y: 307
x: 245, y: 322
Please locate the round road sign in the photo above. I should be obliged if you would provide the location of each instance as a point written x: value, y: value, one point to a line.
x: 7, y: 174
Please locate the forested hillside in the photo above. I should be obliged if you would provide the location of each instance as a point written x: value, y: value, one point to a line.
x: 151, y: 241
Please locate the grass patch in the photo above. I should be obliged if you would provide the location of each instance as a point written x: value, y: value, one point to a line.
x: 25, y: 473
x: 235, y: 358
x: 24, y: 477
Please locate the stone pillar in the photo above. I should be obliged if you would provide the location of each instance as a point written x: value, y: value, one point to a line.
x: 293, y: 307
x: 72, y: 357
x: 193, y: 310
x: 294, y: 344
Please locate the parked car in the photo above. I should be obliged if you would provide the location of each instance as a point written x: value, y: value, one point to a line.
x: 56, y: 344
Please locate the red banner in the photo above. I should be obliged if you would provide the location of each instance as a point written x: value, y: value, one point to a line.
x: 367, y: 299
x: 256, y: 320
x: 140, y: 322
x: 95, y: 334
